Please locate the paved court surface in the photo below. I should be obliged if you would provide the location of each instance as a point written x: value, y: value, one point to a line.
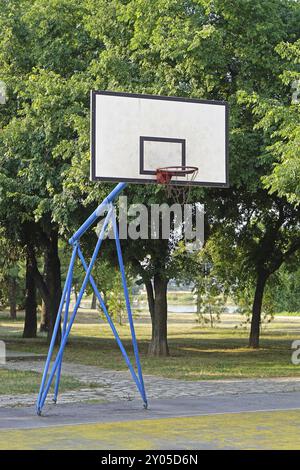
x: 68, y: 414
x: 257, y: 421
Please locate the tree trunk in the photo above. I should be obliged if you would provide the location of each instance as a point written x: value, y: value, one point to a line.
x: 198, y: 301
x: 159, y: 343
x: 45, y: 310
x: 12, y: 294
x: 50, y: 287
x: 30, y: 326
x: 256, y: 310
x: 39, y: 280
x: 105, y: 298
x: 75, y: 291
x: 150, y: 298
x: 53, y: 282
x: 94, y: 302
x: 44, y: 325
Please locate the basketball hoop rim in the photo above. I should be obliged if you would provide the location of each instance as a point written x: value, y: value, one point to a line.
x: 165, y: 174
x: 177, y: 170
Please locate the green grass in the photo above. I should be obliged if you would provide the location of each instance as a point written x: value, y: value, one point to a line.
x: 196, y: 352
x: 288, y: 314
x: 15, y: 382
x: 173, y: 297
x: 181, y: 298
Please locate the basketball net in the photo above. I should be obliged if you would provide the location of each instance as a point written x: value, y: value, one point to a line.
x: 176, y: 180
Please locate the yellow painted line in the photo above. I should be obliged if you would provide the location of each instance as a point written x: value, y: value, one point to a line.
x: 260, y: 430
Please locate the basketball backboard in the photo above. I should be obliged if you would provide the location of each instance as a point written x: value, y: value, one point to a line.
x: 132, y: 135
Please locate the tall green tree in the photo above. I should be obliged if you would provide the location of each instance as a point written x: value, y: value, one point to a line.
x: 48, y: 50
x: 280, y: 120
x: 11, y: 275
x: 263, y: 234
x: 215, y: 50
x: 60, y: 49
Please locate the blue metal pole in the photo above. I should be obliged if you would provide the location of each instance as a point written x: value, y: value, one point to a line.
x: 64, y: 339
x: 66, y: 315
x: 94, y: 216
x: 67, y: 292
x: 55, y: 330
x: 128, y: 307
x: 113, y: 328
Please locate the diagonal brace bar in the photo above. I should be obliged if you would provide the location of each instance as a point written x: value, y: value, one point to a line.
x: 66, y: 315
x: 128, y: 307
x: 44, y: 393
x: 55, y: 330
x: 140, y: 385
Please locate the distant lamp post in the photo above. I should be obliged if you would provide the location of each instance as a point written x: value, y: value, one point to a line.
x: 3, y: 96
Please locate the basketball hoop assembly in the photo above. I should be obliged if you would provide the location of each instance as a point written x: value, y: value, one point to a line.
x: 142, y: 139
x: 171, y: 176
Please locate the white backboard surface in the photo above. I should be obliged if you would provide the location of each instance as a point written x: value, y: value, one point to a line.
x: 133, y: 135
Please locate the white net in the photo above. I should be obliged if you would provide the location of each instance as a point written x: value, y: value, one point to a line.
x: 177, y: 181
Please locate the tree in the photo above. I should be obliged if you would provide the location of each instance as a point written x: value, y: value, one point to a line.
x: 166, y: 48
x: 30, y: 325
x: 210, y: 295
x: 11, y: 275
x: 280, y: 120
x: 59, y: 50
x: 115, y: 298
x: 251, y: 244
x: 286, y: 287
x: 48, y: 50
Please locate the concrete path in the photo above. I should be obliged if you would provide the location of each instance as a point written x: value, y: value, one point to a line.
x: 114, y: 386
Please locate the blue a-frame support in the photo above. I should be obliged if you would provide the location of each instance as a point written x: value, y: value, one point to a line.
x: 55, y: 370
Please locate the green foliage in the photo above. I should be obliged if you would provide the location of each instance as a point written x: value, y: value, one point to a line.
x: 197, y: 267
x: 281, y: 120
x: 210, y: 299
x: 244, y: 299
x: 116, y: 301
x: 49, y: 49
x: 105, y: 275
x: 110, y: 282
x: 286, y: 288
x: 12, y: 273
x: 52, y: 52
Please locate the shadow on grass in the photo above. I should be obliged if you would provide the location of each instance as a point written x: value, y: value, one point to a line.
x: 195, y: 354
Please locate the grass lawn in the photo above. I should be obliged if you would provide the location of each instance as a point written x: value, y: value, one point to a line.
x: 173, y: 298
x: 196, y: 352
x: 15, y: 382
x: 287, y: 314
